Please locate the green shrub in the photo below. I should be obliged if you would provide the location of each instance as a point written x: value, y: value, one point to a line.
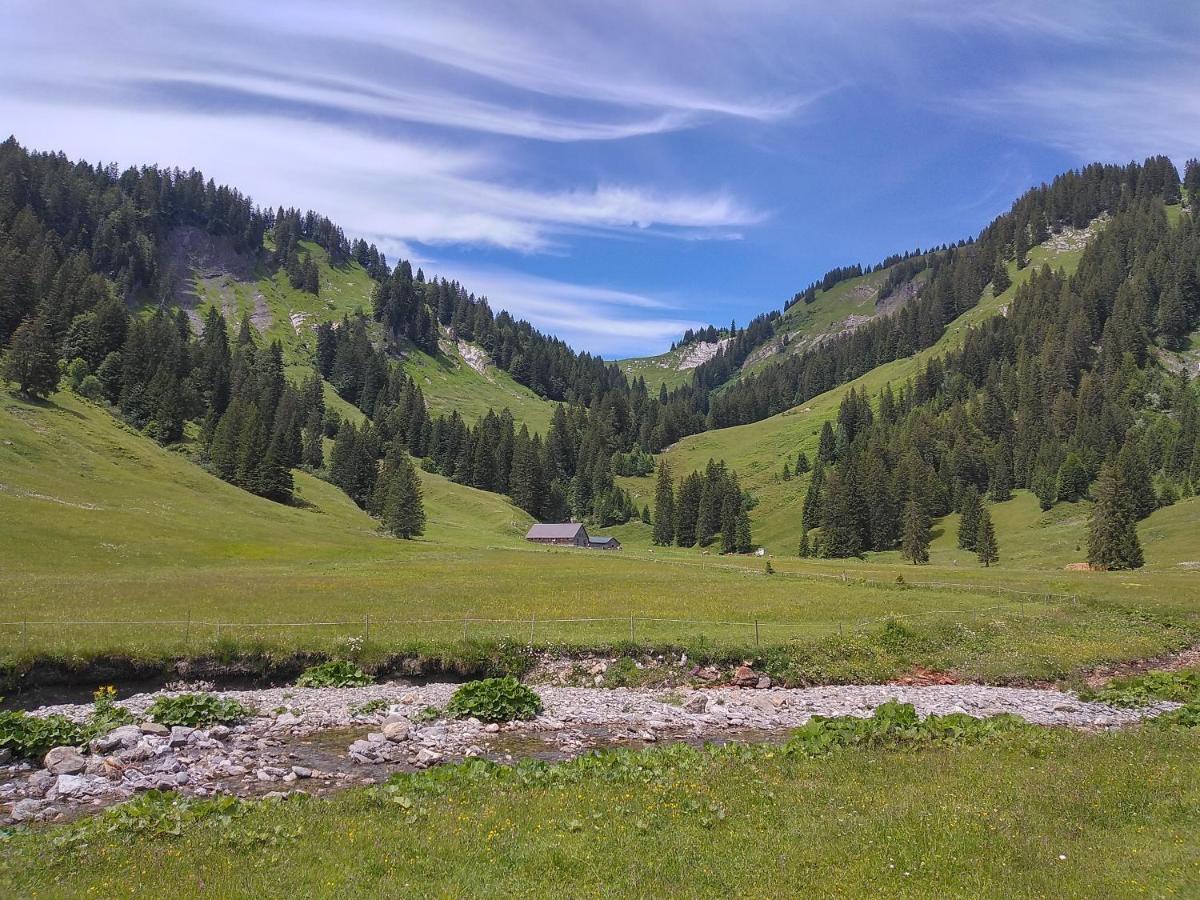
x: 29, y: 737
x: 338, y: 673
x: 196, y: 710
x: 494, y: 700
x: 106, y: 715
x: 1144, y: 690
x: 1184, y: 717
x: 426, y: 714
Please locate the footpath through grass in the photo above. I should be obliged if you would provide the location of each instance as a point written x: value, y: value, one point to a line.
x: 1027, y: 813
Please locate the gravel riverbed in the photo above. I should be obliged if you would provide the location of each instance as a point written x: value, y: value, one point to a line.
x: 313, y: 739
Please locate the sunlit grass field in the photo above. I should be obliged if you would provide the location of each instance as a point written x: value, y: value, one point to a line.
x: 130, y: 533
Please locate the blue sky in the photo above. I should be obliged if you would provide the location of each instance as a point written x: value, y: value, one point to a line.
x: 615, y: 172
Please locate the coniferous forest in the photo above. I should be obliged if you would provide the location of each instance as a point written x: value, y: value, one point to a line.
x: 1061, y: 395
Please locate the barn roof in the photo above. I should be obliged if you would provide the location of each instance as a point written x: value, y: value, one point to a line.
x: 559, y: 531
x: 601, y: 540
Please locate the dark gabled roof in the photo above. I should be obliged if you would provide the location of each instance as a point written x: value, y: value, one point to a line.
x: 601, y: 540
x: 561, y: 531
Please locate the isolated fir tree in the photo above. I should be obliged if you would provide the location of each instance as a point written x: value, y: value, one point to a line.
x: 917, y: 534
x: 664, y: 507
x: 970, y: 517
x: 31, y: 360
x: 1112, y: 531
x: 805, y: 549
x: 802, y: 464
x: 985, y: 539
x: 402, y: 509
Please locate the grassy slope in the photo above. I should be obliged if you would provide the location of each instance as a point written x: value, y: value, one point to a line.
x: 291, y: 315
x: 1048, y: 813
x: 449, y: 383
x: 657, y: 370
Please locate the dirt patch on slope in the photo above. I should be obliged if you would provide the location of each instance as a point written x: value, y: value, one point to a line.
x: 200, y: 267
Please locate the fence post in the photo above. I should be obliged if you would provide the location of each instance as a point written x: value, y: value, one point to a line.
x: 187, y: 631
x: 756, y: 633
x: 24, y: 633
x: 218, y: 631
x: 464, y: 628
x: 532, y: 626
x: 631, y: 637
x: 366, y: 627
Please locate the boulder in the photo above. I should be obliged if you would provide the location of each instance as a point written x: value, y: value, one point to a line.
x: 154, y: 728
x: 302, y: 772
x: 125, y: 736
x: 27, y: 809
x: 763, y: 683
x: 396, y: 731
x: 427, y: 757
x: 697, y: 704
x: 287, y: 719
x: 745, y: 676
x: 179, y: 736
x: 64, y: 761
x: 73, y: 786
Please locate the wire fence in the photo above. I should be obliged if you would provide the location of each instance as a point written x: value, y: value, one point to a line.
x: 195, y: 634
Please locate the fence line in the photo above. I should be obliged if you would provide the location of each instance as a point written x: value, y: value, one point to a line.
x: 532, y: 623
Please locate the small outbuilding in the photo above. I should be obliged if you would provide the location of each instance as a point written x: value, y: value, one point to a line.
x: 569, y: 534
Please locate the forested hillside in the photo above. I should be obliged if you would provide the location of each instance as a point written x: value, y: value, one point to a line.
x: 1054, y: 382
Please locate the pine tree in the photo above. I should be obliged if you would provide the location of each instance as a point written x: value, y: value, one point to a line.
x: 664, y: 507
x: 1191, y: 181
x: 810, y: 513
x: 31, y: 360
x: 1000, y: 476
x: 1072, y: 479
x: 1001, y: 281
x: 840, y: 532
x: 403, y: 511
x: 802, y: 464
x: 970, y: 518
x: 1136, y: 474
x: 805, y: 550
x: 985, y: 540
x: 914, y: 544
x: 1112, y: 531
x: 827, y: 443
x: 687, y: 509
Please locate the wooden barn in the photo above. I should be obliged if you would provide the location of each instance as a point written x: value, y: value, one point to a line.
x: 570, y: 534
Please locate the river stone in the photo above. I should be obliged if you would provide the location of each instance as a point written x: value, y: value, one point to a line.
x: 287, y: 718
x: 396, y: 731
x: 427, y: 757
x: 745, y: 676
x: 64, y: 761
x: 179, y: 735
x: 125, y: 736
x: 154, y: 728
x: 302, y: 772
x: 697, y: 704
x: 27, y: 809
x: 71, y: 786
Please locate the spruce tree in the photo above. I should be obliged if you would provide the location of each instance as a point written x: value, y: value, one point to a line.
x: 914, y: 544
x: 687, y: 509
x: 664, y: 507
x: 802, y: 464
x: 805, y: 549
x: 403, y: 510
x: 1001, y: 281
x: 826, y: 443
x: 31, y: 360
x: 971, y: 515
x: 1112, y: 531
x: 985, y: 540
x: 1072, y: 479
x: 840, y: 532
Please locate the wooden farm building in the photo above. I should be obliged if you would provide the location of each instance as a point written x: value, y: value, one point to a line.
x: 570, y: 534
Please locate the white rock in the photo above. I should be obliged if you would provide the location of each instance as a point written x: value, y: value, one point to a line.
x: 64, y: 761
